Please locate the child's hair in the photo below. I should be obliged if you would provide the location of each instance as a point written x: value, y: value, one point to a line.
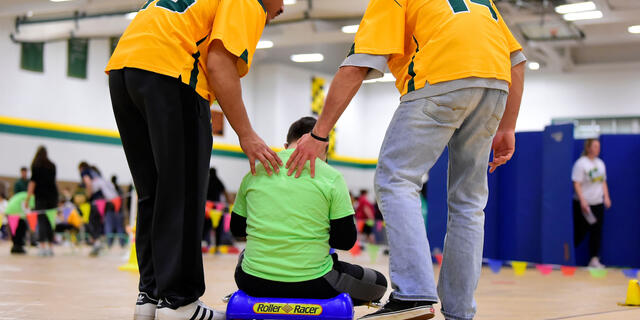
x: 299, y: 128
x: 587, y: 145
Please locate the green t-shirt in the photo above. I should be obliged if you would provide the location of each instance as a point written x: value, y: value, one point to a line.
x: 14, y: 206
x: 288, y: 221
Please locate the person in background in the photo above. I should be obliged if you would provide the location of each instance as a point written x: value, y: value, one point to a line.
x: 291, y: 225
x: 22, y: 183
x: 114, y: 219
x: 365, y: 212
x: 3, y: 209
x: 43, y: 186
x: 214, y: 193
x: 96, y: 188
x: 16, y: 206
x: 590, y: 199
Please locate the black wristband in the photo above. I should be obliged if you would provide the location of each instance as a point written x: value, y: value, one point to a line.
x: 319, y: 138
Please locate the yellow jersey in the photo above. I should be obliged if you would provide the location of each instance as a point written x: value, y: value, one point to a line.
x: 172, y: 38
x: 432, y: 41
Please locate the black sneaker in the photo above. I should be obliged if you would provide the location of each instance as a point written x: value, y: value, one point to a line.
x: 403, y: 310
x: 18, y: 250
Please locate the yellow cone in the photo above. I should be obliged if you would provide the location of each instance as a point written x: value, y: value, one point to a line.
x: 132, y: 264
x: 519, y: 267
x: 633, y: 293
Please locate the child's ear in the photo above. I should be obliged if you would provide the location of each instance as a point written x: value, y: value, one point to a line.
x: 286, y: 145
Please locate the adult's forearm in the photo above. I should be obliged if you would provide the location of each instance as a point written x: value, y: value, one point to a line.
x: 510, y: 116
x: 343, y: 88
x: 605, y: 189
x: 225, y: 83
x: 31, y: 188
x: 578, y: 188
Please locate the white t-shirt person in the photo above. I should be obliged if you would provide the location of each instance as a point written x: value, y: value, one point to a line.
x: 590, y: 174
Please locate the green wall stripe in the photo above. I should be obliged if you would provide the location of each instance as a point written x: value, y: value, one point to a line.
x: 64, y: 135
x: 84, y: 137
x: 352, y: 164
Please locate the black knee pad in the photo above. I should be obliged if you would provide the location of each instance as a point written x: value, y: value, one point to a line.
x: 361, y: 283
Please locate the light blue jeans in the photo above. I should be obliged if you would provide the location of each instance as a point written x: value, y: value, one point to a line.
x: 465, y: 120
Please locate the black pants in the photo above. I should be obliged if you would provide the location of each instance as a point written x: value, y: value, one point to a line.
x: 318, y: 288
x: 45, y: 230
x: 582, y: 227
x: 206, y: 231
x: 166, y: 134
x: 95, y: 227
x: 18, y: 239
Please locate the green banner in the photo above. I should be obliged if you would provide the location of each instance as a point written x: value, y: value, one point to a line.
x: 51, y: 215
x: 31, y: 56
x: 77, y: 58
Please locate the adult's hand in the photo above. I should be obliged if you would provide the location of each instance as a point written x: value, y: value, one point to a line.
x: 504, y: 145
x: 584, y: 206
x: 255, y: 149
x: 607, y: 203
x: 307, y: 149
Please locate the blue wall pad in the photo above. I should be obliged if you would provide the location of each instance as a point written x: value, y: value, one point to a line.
x: 519, y: 194
x: 556, y: 227
x: 620, y: 236
x: 437, y: 199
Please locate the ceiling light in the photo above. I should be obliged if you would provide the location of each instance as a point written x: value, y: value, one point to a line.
x: 308, y: 57
x: 265, y: 44
x: 534, y: 65
x: 576, y: 7
x: 131, y: 15
x: 634, y: 29
x: 350, y: 29
x: 587, y: 15
x: 289, y: 2
x: 29, y: 14
x: 59, y: 0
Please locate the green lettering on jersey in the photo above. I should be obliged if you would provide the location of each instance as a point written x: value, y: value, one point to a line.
x: 179, y: 6
x: 487, y: 4
x: 460, y: 6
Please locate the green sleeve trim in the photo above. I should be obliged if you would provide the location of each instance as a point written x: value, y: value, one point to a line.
x: 245, y: 56
x: 353, y: 50
x: 263, y: 7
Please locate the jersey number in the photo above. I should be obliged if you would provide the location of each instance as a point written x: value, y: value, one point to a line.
x: 460, y: 6
x: 179, y: 6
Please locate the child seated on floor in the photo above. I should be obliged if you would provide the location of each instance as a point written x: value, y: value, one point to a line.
x: 291, y: 224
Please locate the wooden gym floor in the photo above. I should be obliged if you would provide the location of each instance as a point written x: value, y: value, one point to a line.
x: 73, y: 286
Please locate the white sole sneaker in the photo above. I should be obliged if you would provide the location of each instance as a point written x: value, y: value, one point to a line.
x: 145, y: 307
x: 195, y: 310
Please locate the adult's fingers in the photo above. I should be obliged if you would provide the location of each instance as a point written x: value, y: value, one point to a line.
x: 291, y: 160
x: 276, y: 157
x: 265, y: 164
x: 252, y: 164
x: 312, y: 167
x: 300, y: 166
x: 271, y: 157
x: 294, y: 163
